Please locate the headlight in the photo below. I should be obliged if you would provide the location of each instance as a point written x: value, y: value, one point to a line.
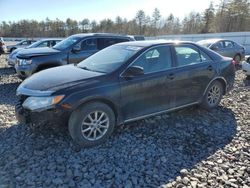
x: 37, y: 103
x: 23, y: 62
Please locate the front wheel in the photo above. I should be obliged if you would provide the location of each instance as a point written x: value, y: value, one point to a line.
x: 213, y: 95
x: 91, y: 124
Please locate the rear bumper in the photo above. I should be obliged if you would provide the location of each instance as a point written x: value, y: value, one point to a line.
x: 52, y: 117
x: 246, y: 68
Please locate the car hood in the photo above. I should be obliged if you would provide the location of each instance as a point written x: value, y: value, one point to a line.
x: 30, y: 52
x: 57, y: 78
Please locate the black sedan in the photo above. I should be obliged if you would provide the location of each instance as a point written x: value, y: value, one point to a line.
x: 123, y: 83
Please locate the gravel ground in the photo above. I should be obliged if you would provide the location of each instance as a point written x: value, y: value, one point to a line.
x: 187, y: 148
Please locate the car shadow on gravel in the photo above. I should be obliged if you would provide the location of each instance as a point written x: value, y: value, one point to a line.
x: 149, y: 152
x: 246, y: 82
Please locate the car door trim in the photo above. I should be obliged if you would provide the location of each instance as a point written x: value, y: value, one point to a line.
x: 160, y: 112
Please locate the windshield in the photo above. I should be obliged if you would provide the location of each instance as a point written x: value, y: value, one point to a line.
x: 33, y: 45
x: 109, y: 59
x: 64, y: 44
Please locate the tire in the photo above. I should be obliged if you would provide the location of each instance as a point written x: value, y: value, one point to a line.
x: 213, y: 95
x: 90, y: 120
x: 237, y: 58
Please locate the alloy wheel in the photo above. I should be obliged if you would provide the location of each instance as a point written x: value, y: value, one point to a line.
x: 214, y: 95
x: 95, y: 125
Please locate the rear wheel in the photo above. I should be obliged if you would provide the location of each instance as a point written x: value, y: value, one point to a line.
x: 213, y: 95
x: 91, y: 124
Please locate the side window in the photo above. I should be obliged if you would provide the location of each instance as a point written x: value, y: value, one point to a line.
x: 228, y: 44
x: 187, y: 55
x: 52, y: 43
x: 121, y: 40
x: 204, y: 57
x: 43, y: 44
x: 218, y: 45
x: 24, y: 43
x: 105, y: 42
x: 155, y: 60
x: 88, y: 44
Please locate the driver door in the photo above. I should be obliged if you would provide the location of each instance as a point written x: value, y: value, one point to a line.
x: 148, y: 93
x: 82, y: 50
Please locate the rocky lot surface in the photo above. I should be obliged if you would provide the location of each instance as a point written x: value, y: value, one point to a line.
x: 187, y: 148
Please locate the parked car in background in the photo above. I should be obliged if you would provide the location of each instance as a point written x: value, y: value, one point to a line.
x: 247, y: 58
x: 71, y: 50
x: 246, y: 66
x: 2, y: 46
x: 137, y: 37
x: 226, y: 48
x: 123, y: 83
x: 22, y: 44
x: 12, y: 59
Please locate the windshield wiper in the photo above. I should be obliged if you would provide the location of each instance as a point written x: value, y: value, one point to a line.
x: 86, y: 68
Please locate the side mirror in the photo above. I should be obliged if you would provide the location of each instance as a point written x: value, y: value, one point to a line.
x: 76, y: 49
x: 133, y: 71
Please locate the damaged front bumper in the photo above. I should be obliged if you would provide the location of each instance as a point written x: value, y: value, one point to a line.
x: 53, y: 117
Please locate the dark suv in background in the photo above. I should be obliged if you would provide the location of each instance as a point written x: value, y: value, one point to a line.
x: 71, y: 50
x: 38, y: 44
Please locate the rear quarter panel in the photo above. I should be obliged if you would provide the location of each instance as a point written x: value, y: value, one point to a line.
x: 227, y: 71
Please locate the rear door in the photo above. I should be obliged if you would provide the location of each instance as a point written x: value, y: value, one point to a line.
x: 193, y: 71
x: 229, y: 49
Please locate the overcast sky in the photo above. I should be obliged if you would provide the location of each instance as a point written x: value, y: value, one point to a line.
x: 14, y: 10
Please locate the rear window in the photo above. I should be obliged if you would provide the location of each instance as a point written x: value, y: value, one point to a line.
x: 105, y: 42
x: 139, y: 38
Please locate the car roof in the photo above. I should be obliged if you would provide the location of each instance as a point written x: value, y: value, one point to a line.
x: 100, y: 34
x: 213, y: 40
x: 147, y: 43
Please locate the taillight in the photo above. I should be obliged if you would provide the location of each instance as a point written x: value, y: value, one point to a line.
x: 233, y: 62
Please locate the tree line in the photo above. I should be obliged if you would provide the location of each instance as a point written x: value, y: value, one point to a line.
x: 228, y: 16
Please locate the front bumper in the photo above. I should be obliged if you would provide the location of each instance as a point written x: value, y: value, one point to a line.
x: 11, y: 61
x: 52, y: 117
x: 24, y: 71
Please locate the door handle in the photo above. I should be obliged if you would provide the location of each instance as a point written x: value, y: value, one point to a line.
x: 171, y: 76
x: 210, y: 68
